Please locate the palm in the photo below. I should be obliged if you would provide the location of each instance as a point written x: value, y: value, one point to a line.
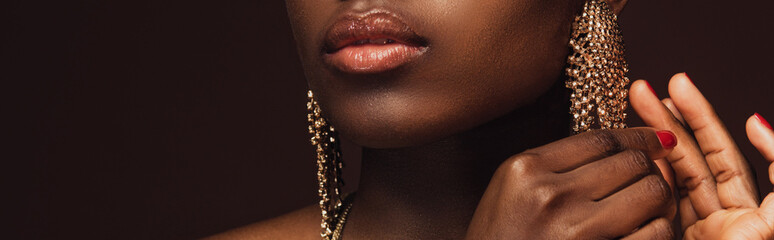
x: 720, y: 200
x: 743, y: 223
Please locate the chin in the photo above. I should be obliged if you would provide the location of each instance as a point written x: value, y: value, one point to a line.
x: 389, y: 124
x: 395, y: 131
x: 387, y: 137
x: 401, y: 122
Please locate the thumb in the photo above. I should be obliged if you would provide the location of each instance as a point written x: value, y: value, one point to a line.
x: 766, y: 213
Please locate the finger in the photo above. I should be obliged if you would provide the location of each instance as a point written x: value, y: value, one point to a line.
x: 625, y: 210
x: 766, y: 211
x: 612, y: 173
x: 573, y: 152
x: 732, y: 173
x: 760, y: 133
x: 663, y: 164
x: 692, y: 174
x: 687, y: 213
x: 659, y: 228
x: 647, y: 106
x: 761, y: 136
x: 673, y: 109
x: 666, y: 172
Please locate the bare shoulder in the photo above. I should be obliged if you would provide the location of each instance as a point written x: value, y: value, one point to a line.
x: 300, y: 224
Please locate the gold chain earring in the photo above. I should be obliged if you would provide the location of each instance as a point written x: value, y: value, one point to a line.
x: 329, y: 165
x: 597, y: 70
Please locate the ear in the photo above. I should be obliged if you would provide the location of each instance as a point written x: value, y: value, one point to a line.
x: 616, y: 5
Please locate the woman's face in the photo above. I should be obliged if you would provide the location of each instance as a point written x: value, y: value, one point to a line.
x: 398, y: 73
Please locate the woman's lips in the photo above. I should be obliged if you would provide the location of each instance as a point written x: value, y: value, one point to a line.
x: 371, y: 43
x: 373, y: 58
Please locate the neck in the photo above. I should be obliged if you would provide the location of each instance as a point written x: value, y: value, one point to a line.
x: 431, y: 191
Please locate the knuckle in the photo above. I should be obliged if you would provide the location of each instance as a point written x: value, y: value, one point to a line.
x: 640, y: 137
x: 586, y: 230
x: 606, y: 141
x: 726, y: 175
x: 548, y: 196
x: 527, y: 156
x: 714, y: 152
x: 637, y: 162
x: 662, y: 229
x: 520, y: 164
x: 658, y: 189
x: 693, y: 182
x: 576, y: 231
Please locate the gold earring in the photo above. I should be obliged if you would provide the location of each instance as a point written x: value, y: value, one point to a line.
x: 597, y: 70
x: 329, y: 165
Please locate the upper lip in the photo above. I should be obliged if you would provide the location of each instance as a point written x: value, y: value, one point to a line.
x: 352, y: 28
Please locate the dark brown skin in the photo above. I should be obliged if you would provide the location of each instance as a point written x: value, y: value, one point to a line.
x: 482, y: 114
x: 549, y: 193
x: 470, y: 140
x: 484, y: 59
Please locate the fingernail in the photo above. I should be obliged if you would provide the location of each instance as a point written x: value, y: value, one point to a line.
x: 763, y: 121
x: 651, y: 89
x: 667, y: 138
x: 689, y: 78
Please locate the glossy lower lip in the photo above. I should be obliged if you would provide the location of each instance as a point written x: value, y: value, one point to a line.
x: 371, y: 42
x: 373, y: 58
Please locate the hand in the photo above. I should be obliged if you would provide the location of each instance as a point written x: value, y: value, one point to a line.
x: 718, y: 194
x: 599, y: 184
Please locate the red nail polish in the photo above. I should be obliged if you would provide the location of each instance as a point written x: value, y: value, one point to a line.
x: 763, y: 121
x: 651, y: 89
x: 689, y: 78
x: 667, y: 138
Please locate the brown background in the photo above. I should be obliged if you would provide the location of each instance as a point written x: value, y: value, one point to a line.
x: 175, y: 120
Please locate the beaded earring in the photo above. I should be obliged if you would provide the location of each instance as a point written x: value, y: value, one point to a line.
x: 329, y: 165
x: 597, y: 70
